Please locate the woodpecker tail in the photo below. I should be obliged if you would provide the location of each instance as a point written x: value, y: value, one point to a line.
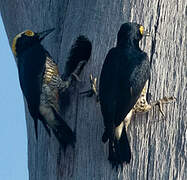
x: 80, y: 51
x: 63, y: 132
x: 119, y: 150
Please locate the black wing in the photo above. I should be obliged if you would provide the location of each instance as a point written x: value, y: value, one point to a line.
x: 131, y: 84
x: 110, y: 91
x: 31, y: 68
x: 122, y: 79
x: 139, y: 76
x: 107, y: 85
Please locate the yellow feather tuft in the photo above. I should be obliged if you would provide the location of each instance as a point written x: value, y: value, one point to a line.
x: 26, y: 32
x: 29, y: 33
x: 141, y: 30
x: 14, y: 43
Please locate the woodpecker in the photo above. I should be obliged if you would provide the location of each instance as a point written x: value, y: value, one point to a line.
x: 123, y: 76
x: 123, y: 90
x: 80, y: 51
x: 42, y: 84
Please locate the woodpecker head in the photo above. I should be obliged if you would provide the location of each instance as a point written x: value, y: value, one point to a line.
x: 131, y: 33
x: 27, y: 39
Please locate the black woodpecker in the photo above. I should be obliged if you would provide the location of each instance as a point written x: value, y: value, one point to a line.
x: 80, y: 51
x: 124, y: 73
x: 42, y: 84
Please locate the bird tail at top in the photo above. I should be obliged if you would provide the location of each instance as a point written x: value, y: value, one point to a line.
x: 80, y: 51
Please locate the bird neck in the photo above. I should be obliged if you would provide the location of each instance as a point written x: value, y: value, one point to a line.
x: 26, y: 47
x: 33, y: 57
x: 127, y: 43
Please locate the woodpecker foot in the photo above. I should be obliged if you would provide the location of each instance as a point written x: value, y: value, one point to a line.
x: 93, y: 90
x: 160, y: 102
x: 77, y: 71
x: 142, y: 106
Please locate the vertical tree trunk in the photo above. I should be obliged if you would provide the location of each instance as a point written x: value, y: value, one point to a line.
x: 159, y: 147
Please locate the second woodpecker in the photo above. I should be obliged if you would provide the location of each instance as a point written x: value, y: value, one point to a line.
x: 124, y: 74
x: 41, y: 82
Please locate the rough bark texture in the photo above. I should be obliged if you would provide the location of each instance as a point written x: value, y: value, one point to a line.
x: 159, y: 147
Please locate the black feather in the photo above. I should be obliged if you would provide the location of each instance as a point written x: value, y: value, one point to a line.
x: 63, y: 132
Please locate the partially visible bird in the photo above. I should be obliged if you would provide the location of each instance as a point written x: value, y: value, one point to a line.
x: 41, y: 82
x: 124, y: 74
x: 80, y: 51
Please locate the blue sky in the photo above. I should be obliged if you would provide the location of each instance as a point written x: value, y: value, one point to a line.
x: 13, y: 135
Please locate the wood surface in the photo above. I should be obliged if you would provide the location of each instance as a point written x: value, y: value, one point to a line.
x: 159, y: 147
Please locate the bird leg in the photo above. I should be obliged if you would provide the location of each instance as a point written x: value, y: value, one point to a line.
x: 142, y: 106
x: 78, y: 69
x: 93, y: 89
x: 65, y: 84
x: 159, y: 103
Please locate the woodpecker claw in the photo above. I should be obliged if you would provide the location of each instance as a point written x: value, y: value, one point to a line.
x: 77, y: 71
x: 79, y: 68
x: 160, y: 106
x: 145, y: 107
x: 164, y: 100
x: 160, y: 102
x: 93, y: 89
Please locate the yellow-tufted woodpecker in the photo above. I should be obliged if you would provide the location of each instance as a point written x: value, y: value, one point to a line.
x: 124, y: 74
x: 41, y: 82
x: 122, y: 90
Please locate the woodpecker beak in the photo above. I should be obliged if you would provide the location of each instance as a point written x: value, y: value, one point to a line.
x: 43, y: 34
x: 146, y: 33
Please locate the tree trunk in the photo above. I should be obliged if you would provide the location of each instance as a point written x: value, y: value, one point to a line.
x: 159, y: 147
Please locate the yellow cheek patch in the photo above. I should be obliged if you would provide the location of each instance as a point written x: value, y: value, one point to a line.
x: 141, y: 30
x: 14, y: 43
x: 29, y: 33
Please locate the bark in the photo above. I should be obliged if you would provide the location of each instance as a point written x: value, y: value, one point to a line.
x: 159, y: 147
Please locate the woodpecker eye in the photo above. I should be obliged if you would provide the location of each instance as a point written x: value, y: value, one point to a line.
x: 29, y: 33
x: 141, y: 29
